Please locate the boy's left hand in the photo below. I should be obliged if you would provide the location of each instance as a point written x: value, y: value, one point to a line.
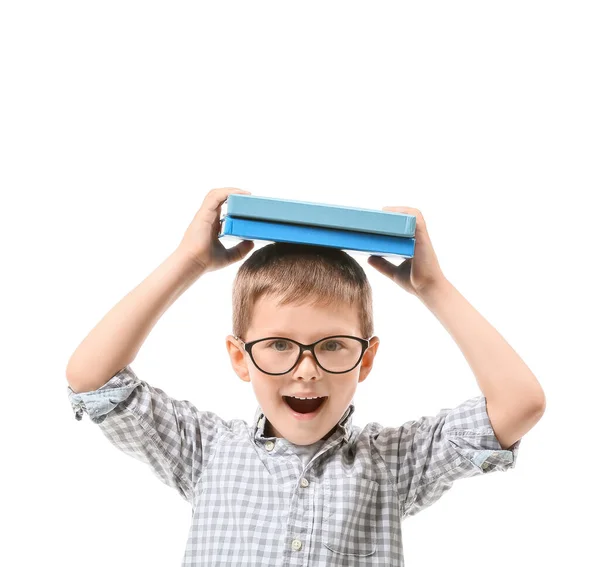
x: 418, y: 273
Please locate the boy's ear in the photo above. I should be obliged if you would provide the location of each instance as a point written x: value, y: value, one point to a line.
x: 237, y: 355
x: 366, y: 364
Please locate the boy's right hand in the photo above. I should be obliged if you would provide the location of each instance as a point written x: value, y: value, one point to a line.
x: 200, y: 241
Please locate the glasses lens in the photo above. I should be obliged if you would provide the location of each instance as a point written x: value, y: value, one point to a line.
x: 335, y: 354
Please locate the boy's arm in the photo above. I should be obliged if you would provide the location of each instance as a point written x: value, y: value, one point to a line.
x: 174, y: 438
x: 515, y: 399
x: 115, y: 341
x: 427, y: 455
x: 171, y: 436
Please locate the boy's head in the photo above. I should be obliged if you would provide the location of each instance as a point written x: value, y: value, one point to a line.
x: 303, y: 293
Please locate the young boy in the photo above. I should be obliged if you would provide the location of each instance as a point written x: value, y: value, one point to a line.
x: 300, y: 485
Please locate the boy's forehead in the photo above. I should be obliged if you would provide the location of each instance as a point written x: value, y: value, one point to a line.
x: 268, y: 308
x: 306, y: 319
x: 313, y: 334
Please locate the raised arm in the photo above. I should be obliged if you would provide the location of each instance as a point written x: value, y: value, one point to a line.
x: 115, y: 341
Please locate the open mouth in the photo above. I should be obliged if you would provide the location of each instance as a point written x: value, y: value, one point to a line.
x: 304, y: 406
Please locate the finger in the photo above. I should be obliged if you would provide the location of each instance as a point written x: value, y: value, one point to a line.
x: 408, y: 211
x: 210, y: 211
x: 216, y: 227
x: 395, y: 209
x: 382, y: 265
x: 237, y: 252
x: 216, y: 197
x: 421, y: 228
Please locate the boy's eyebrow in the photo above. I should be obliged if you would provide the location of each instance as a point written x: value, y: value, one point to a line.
x: 287, y: 334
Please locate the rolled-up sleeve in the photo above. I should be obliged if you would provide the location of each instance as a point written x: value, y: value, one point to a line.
x: 171, y: 436
x: 427, y: 455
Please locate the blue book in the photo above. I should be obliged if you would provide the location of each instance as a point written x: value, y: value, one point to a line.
x: 320, y: 214
x: 236, y: 229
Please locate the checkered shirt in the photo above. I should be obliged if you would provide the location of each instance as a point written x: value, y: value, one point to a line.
x: 253, y: 501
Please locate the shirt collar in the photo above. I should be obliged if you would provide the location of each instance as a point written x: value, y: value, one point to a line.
x: 345, y: 422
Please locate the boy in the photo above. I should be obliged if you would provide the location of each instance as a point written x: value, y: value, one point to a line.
x: 300, y: 485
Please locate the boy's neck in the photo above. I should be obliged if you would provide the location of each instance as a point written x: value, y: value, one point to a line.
x: 268, y: 431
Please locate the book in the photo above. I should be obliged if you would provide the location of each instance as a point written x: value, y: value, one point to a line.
x: 320, y: 214
x: 235, y: 229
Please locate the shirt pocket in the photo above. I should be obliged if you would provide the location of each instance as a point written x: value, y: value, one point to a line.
x: 350, y: 515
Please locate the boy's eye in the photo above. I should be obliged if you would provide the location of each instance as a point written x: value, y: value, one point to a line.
x: 279, y: 342
x: 282, y: 345
x: 325, y: 345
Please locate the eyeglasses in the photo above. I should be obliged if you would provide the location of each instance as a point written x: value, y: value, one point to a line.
x: 279, y: 355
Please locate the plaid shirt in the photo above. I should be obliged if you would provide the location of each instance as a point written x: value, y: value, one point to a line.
x: 255, y: 503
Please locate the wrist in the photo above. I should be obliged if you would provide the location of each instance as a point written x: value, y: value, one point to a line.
x: 188, y: 262
x: 433, y: 290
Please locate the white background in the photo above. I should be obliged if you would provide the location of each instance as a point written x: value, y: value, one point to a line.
x: 116, y: 118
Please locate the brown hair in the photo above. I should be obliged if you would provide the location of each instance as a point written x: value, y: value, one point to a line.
x: 301, y: 273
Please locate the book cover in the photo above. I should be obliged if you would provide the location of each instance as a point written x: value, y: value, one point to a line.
x: 235, y: 229
x: 320, y: 214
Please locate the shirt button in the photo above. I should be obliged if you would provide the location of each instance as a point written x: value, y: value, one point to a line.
x: 304, y: 483
x: 296, y: 544
x: 485, y: 466
x: 269, y: 445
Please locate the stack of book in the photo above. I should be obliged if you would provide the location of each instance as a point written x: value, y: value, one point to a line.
x: 365, y: 231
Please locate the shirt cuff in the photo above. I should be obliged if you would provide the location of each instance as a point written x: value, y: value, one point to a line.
x: 98, y: 403
x: 470, y: 432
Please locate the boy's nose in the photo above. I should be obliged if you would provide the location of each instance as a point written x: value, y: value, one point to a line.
x: 307, y: 365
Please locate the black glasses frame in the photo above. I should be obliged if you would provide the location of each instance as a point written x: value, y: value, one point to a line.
x: 311, y: 347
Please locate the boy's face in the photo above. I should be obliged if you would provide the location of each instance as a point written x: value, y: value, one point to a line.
x: 305, y: 324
